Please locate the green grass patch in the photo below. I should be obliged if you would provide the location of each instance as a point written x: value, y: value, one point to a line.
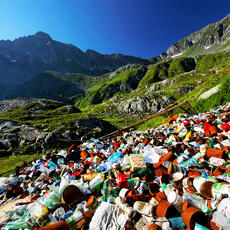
x: 219, y: 98
x: 8, y: 164
x: 50, y: 118
x: 192, y: 52
x: 210, y: 61
x: 153, y: 123
x: 181, y: 65
x: 121, y: 123
x: 224, y: 46
x: 155, y: 73
x: 109, y: 88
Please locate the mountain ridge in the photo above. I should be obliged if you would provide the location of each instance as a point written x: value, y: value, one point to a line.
x: 209, y: 39
x: 27, y: 56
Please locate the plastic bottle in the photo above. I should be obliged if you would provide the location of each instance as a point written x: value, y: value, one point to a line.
x: 144, y: 208
x: 66, y: 215
x: 175, y: 199
x: 96, y: 183
x: 133, y: 182
x: 189, y: 162
x: 72, y: 220
x: 167, y: 188
x: 176, y: 223
x: 183, y: 132
x: 194, y: 200
x: 107, y: 189
x: 121, y: 180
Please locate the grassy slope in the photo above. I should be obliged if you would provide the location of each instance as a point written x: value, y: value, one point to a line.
x: 106, y: 89
x: 49, y: 118
x: 8, y: 164
x: 201, y: 79
x: 156, y: 72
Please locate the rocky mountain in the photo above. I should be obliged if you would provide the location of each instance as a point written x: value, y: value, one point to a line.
x: 212, y: 38
x: 25, y: 57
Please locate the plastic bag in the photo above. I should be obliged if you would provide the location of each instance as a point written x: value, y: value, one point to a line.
x: 19, y: 224
x: 220, y: 220
x: 150, y: 155
x: 18, y: 217
x: 38, y: 210
x: 108, y: 216
x: 64, y: 182
x: 84, y: 187
x: 51, y: 200
x: 115, y: 158
x: 5, y: 181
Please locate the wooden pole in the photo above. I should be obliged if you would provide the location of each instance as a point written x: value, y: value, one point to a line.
x: 146, y: 119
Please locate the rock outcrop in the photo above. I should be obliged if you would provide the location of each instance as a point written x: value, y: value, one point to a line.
x: 146, y: 104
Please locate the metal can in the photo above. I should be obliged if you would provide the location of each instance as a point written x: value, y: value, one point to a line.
x: 218, y: 189
x: 175, y: 199
x: 89, y: 176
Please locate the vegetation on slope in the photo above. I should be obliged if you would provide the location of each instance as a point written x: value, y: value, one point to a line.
x: 8, y: 164
x: 156, y: 72
x: 186, y: 85
x: 54, y: 115
x: 123, y: 82
x: 210, y: 61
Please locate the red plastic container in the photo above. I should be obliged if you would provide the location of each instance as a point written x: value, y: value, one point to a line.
x: 121, y: 179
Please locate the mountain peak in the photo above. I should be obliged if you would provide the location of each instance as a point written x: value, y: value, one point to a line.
x: 43, y: 35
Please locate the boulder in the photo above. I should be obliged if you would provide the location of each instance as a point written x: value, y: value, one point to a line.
x: 51, y: 139
x: 144, y: 104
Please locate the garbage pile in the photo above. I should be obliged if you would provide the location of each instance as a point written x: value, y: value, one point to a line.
x: 176, y: 176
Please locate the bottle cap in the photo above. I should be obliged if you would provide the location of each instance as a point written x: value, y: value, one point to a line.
x: 206, y: 210
x: 164, y: 186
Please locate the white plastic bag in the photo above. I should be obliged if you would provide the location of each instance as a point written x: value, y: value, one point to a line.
x: 150, y: 155
x: 108, y: 216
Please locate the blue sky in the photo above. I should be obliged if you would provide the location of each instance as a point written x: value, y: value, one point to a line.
x: 143, y: 28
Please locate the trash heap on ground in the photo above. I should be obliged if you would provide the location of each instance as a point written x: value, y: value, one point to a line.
x: 176, y: 176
